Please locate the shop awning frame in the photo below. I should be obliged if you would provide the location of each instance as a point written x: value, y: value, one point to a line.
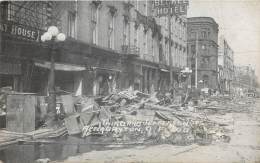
x: 106, y: 69
x: 59, y: 66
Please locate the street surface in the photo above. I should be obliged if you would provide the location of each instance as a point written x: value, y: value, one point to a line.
x: 243, y: 147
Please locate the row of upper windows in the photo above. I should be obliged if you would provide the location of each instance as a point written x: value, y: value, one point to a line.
x: 203, y: 47
x: 205, y: 34
x: 179, y: 57
x: 141, y: 38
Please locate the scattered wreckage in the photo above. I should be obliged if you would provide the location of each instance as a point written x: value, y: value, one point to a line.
x: 130, y: 116
x: 134, y: 117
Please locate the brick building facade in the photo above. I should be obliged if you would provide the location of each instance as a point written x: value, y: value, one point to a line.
x: 203, y: 31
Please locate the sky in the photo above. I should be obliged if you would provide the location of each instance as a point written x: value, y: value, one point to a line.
x: 239, y: 22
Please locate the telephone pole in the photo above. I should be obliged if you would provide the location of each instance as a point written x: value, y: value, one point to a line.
x: 170, y: 49
x: 196, y: 62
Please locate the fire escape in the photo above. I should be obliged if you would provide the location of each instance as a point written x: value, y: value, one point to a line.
x: 35, y: 14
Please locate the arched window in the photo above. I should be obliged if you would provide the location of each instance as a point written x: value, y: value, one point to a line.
x: 111, y: 27
x: 94, y: 23
x: 111, y: 33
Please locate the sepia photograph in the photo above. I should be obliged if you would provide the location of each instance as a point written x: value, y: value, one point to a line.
x: 130, y: 81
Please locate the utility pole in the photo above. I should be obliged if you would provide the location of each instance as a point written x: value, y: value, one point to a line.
x: 196, y: 62
x: 170, y: 48
x: 51, y: 84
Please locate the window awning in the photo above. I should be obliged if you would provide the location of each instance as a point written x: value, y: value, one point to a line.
x: 106, y: 69
x: 59, y: 66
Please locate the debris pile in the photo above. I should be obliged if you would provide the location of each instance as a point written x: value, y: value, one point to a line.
x: 134, y: 117
x: 225, y: 104
x: 129, y: 116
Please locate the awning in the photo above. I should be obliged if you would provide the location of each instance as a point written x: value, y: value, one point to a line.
x: 59, y: 66
x: 106, y: 69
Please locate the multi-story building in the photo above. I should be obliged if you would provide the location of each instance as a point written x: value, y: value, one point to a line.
x: 178, y: 43
x: 203, y: 47
x: 110, y: 45
x: 226, y: 60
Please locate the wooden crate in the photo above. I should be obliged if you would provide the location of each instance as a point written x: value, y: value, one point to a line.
x: 20, y: 112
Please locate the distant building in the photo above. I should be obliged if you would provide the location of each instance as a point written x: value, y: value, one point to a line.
x: 226, y: 60
x: 220, y: 78
x: 244, y: 79
x: 203, y: 31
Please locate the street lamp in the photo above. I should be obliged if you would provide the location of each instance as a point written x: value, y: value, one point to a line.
x: 187, y: 70
x: 201, y: 81
x: 51, y: 37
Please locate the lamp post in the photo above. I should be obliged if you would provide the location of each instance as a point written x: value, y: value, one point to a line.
x: 51, y: 37
x: 170, y: 48
x: 196, y: 60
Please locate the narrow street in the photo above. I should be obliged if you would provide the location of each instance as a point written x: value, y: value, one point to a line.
x: 243, y: 147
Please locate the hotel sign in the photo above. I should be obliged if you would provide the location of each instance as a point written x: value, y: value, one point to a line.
x: 172, y: 7
x: 20, y: 31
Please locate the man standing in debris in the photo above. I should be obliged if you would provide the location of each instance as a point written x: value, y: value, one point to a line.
x: 172, y: 92
x: 195, y: 94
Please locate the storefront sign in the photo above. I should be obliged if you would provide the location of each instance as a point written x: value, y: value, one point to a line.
x: 20, y: 31
x: 172, y: 7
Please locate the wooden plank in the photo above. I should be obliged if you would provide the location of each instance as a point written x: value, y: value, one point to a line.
x: 7, y: 138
